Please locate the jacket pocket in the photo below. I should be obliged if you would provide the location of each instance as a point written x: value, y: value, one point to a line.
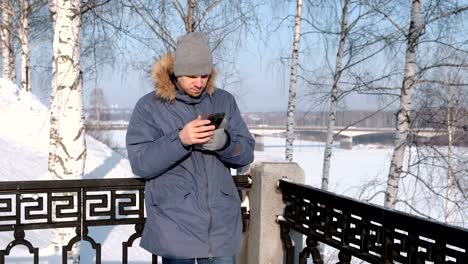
x: 228, y: 189
x: 171, y: 201
x: 168, y: 195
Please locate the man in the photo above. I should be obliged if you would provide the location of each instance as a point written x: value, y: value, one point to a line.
x: 193, y: 209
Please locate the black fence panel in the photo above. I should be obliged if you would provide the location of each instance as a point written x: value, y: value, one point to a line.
x: 369, y: 232
x: 78, y: 204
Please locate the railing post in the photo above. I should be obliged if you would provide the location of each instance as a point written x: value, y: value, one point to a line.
x: 264, y: 241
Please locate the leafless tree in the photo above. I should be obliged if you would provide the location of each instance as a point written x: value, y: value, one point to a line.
x: 225, y: 21
x: 421, y: 19
x: 7, y: 35
x: 334, y: 95
x: 25, y: 9
x: 67, y: 149
x: 97, y: 104
x: 95, y: 127
x: 441, y: 107
x: 357, y: 37
x: 403, y: 120
x: 293, y: 83
x: 24, y: 12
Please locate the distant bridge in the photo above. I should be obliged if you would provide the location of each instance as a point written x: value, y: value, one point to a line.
x: 348, y: 137
x: 349, y: 132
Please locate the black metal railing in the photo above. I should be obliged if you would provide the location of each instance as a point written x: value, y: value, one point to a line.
x: 79, y: 204
x: 371, y: 233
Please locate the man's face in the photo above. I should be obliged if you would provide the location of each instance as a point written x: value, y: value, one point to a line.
x: 193, y: 85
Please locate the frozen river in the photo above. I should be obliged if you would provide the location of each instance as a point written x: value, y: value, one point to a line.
x: 350, y: 169
x: 361, y: 173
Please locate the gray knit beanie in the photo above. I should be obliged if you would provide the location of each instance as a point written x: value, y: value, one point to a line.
x: 193, y: 55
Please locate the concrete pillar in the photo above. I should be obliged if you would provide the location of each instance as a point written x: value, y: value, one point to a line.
x: 263, y: 240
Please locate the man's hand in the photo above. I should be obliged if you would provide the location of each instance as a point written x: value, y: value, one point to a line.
x: 218, y: 140
x: 197, y: 131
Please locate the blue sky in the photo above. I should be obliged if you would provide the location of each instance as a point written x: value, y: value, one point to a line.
x: 259, y: 72
x: 264, y: 77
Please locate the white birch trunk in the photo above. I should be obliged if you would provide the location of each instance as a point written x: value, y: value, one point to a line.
x: 335, y: 92
x: 67, y: 151
x: 403, y: 117
x: 24, y: 40
x: 447, y: 209
x: 190, y: 14
x: 8, y: 56
x: 454, y: 106
x: 53, y: 102
x: 293, y: 83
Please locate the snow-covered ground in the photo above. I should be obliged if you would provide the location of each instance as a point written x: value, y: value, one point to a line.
x: 24, y: 136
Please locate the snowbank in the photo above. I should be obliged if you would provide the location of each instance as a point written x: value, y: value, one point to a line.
x: 24, y: 136
x: 24, y: 119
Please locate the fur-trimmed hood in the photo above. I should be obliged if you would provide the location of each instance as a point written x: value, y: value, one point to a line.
x: 163, y: 77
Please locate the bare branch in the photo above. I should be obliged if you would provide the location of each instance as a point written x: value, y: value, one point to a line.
x: 389, y: 19
x: 447, y: 14
x: 91, y: 4
x: 373, y: 9
x: 150, y: 26
x: 207, y: 10
x: 179, y: 10
x: 443, y: 83
x: 439, y: 65
x: 413, y: 208
x: 366, y: 117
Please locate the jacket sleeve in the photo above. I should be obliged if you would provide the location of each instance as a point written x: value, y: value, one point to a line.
x: 240, y: 150
x: 151, y: 152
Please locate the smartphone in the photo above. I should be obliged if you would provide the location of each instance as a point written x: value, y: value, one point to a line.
x: 216, y: 119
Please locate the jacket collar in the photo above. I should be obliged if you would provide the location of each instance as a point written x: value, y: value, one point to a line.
x: 164, y: 81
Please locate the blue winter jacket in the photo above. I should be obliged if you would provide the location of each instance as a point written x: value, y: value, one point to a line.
x: 193, y: 209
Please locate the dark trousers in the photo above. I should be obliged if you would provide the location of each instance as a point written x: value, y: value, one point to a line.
x: 217, y: 260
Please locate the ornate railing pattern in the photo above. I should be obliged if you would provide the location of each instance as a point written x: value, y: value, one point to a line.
x: 368, y: 232
x: 79, y: 204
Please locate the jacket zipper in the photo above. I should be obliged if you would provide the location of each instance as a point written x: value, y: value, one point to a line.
x: 210, y: 246
x: 210, y: 255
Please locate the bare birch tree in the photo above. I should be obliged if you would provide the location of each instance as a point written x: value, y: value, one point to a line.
x: 453, y: 109
x: 358, y: 41
x: 168, y: 19
x: 67, y: 150
x: 442, y: 108
x: 7, y: 30
x: 334, y: 96
x: 416, y: 28
x: 403, y: 116
x: 225, y: 21
x: 189, y: 24
x: 24, y: 13
x: 26, y: 9
x: 53, y: 108
x: 290, y: 122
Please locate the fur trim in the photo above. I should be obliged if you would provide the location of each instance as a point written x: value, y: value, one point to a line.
x: 163, y: 78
